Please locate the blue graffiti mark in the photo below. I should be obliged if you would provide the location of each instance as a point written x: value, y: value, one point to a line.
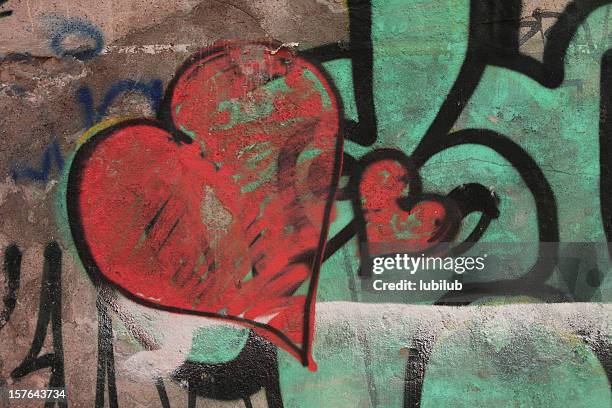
x: 52, y: 153
x: 153, y: 90
x: 59, y: 28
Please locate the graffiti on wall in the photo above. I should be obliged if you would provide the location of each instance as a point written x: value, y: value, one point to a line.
x: 59, y: 28
x: 51, y: 156
x: 269, y: 139
x: 265, y: 168
x: 255, y: 367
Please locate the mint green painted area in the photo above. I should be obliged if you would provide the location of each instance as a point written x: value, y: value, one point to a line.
x: 320, y: 88
x: 477, y: 164
x: 340, y: 379
x: 559, y: 128
x: 418, y: 50
x: 302, y: 290
x: 61, y: 212
x: 338, y: 277
x: 564, y: 142
x: 308, y: 154
x: 264, y: 177
x: 248, y: 277
x: 403, y: 228
x: 242, y: 112
x: 193, y: 135
x: 419, y: 47
x: 341, y: 74
x: 188, y: 132
x: 253, y: 160
x: 343, y: 215
x: 340, y: 269
x: 253, y: 146
x: 483, y: 357
x: 217, y: 344
x: 492, y: 365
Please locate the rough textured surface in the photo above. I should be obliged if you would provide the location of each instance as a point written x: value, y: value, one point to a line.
x: 461, y: 120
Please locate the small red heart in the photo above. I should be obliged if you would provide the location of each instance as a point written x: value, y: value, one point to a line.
x: 397, y: 216
x: 222, y: 208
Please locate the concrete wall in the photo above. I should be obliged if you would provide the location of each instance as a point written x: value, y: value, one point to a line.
x: 195, y: 230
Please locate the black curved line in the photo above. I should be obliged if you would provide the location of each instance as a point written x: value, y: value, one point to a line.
x: 474, y: 237
x: 255, y: 367
x: 360, y: 51
x: 474, y: 197
x: 497, y: 43
x: 602, y: 347
x: 534, y: 179
x: 605, y: 146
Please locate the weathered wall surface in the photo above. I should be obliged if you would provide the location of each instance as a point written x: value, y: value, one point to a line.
x: 145, y: 193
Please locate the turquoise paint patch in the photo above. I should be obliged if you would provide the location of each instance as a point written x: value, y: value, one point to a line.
x: 419, y: 47
x: 265, y: 177
x: 340, y: 72
x: 61, y: 211
x: 188, y: 132
x: 502, y: 365
x: 340, y: 372
x: 248, y: 277
x: 253, y: 146
x: 253, y: 108
x: 320, y: 88
x: 403, y: 229
x: 257, y: 157
x: 217, y: 344
x: 308, y: 154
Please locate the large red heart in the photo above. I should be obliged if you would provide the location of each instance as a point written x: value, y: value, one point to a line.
x: 222, y: 207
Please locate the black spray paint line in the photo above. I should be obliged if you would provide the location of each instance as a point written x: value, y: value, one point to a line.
x: 50, y: 311
x: 161, y: 391
x: 255, y: 368
x: 416, y: 363
x: 360, y: 51
x: 12, y: 273
x: 605, y: 146
x: 493, y: 40
x: 106, y: 358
